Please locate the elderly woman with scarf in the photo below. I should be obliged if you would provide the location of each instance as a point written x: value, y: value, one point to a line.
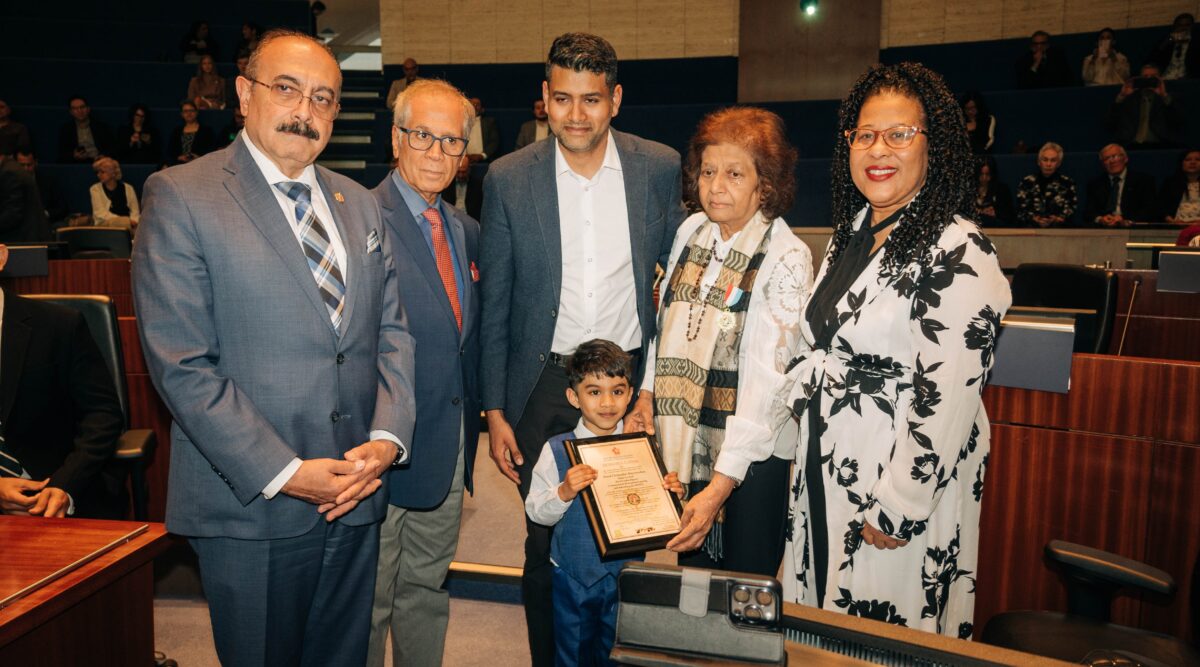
x: 728, y: 325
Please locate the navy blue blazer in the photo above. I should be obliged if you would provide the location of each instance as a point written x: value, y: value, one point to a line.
x: 447, y: 361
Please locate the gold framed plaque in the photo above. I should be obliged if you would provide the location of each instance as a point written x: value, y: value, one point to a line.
x: 627, y: 506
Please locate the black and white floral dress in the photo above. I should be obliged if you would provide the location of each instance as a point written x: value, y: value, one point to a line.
x: 893, y: 432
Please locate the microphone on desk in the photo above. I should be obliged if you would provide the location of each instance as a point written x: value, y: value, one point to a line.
x: 1137, y: 282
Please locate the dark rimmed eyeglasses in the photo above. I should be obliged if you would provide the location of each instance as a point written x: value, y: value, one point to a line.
x: 422, y: 141
x: 900, y: 136
x: 286, y: 95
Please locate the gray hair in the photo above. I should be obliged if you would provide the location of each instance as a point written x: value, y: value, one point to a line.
x: 108, y: 164
x: 1117, y: 146
x: 1051, y: 146
x: 402, y: 108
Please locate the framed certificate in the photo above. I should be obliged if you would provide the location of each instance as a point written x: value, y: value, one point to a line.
x: 627, y: 506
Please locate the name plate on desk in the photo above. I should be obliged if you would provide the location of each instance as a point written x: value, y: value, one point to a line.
x: 1179, y: 271
x: 1034, y: 352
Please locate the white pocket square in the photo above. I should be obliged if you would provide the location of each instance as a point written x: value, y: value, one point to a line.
x: 372, y: 241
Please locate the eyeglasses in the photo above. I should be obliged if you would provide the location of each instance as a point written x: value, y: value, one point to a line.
x: 288, y: 96
x: 900, y: 136
x: 422, y: 141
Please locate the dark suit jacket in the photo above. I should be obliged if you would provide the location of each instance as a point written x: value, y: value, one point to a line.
x: 203, y: 144
x: 447, y: 366
x: 528, y: 133
x: 1137, y: 197
x: 68, y: 139
x: 58, y: 404
x: 1164, y: 50
x: 22, y: 215
x: 1173, y: 189
x: 491, y: 136
x: 521, y: 257
x: 1052, y: 73
x: 1166, y: 118
x: 474, y: 204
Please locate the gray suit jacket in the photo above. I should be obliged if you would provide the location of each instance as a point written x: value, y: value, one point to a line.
x: 521, y: 257
x: 241, y: 349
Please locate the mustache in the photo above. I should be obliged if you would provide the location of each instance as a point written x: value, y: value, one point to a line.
x: 300, y: 129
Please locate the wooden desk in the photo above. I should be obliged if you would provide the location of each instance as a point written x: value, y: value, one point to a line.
x: 80, y: 591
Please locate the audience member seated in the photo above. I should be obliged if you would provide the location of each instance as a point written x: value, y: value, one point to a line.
x: 411, y: 69
x: 50, y: 194
x: 993, y: 201
x: 13, y: 135
x: 1179, y: 198
x: 1144, y: 115
x: 466, y: 190
x: 484, y: 143
x: 1044, y: 66
x: 191, y: 139
x: 981, y: 124
x: 1174, y: 56
x: 535, y: 129
x: 1105, y: 65
x: 1047, y: 198
x: 249, y: 39
x: 231, y: 96
x: 139, y: 143
x: 114, y: 203
x: 207, y: 89
x: 1120, y: 196
x: 60, y: 413
x: 22, y: 217
x: 198, y: 43
x: 230, y: 131
x: 82, y: 139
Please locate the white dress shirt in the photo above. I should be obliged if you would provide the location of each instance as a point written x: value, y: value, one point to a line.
x: 321, y: 208
x: 543, y: 504
x: 598, y: 297
x: 475, y: 141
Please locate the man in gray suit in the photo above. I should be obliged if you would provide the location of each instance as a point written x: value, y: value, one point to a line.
x: 572, y: 231
x: 437, y: 247
x: 536, y: 129
x: 270, y: 314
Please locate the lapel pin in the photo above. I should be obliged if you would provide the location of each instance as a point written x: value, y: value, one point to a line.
x: 340, y: 199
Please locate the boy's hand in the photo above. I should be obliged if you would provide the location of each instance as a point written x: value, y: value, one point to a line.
x: 577, y: 479
x: 671, y: 483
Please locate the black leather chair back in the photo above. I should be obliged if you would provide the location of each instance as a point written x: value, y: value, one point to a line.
x: 1070, y: 286
x: 96, y: 242
x: 101, y: 316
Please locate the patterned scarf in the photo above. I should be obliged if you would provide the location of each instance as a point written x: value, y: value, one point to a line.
x: 696, y: 373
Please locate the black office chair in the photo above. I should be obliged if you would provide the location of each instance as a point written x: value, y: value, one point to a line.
x: 1084, y: 634
x: 135, y: 445
x: 1070, y: 286
x: 96, y: 242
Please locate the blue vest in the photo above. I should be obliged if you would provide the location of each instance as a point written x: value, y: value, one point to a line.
x: 572, y: 547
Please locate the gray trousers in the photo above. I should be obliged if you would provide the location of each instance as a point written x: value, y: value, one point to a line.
x: 415, y: 550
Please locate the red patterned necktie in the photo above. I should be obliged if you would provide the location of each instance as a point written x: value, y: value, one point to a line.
x: 445, y: 266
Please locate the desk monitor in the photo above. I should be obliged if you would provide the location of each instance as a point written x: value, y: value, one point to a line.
x: 1157, y: 252
x: 1033, y: 350
x: 1179, y: 271
x: 26, y: 261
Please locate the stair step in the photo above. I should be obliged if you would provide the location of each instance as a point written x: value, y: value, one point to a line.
x: 343, y: 165
x: 345, y: 138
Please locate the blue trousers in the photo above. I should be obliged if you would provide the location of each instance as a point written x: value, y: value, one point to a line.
x: 585, y: 621
x: 303, y: 600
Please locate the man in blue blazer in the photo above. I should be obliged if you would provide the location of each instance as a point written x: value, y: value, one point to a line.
x: 437, y: 247
x: 573, y: 227
x: 269, y: 310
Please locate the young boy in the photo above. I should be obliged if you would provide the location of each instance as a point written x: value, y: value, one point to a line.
x: 585, y: 586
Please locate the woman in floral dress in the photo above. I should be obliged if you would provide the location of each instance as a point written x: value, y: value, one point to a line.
x: 902, y: 322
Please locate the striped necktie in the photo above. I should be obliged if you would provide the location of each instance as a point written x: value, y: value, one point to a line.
x: 318, y: 249
x: 9, y: 465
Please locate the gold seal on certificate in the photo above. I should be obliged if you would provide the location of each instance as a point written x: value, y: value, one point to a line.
x: 627, y: 506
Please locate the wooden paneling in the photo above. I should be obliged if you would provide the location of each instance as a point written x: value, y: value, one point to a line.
x: 1045, y: 484
x: 1179, y: 398
x: 79, y: 276
x: 1173, y: 537
x: 1162, y: 325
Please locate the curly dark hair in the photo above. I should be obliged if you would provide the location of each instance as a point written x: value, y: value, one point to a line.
x: 949, y: 180
x: 760, y: 133
x: 598, y: 357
